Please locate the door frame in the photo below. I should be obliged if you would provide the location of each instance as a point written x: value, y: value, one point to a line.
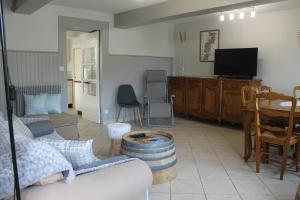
x: 84, y: 25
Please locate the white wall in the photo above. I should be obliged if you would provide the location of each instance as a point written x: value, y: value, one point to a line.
x: 274, y: 33
x: 39, y: 32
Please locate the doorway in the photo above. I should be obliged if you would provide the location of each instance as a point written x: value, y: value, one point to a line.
x: 83, y: 67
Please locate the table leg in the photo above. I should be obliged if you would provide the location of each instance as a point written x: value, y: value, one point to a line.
x: 247, y: 135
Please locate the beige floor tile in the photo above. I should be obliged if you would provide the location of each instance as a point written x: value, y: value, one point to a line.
x: 213, y: 173
x: 186, y: 186
x: 219, y: 187
x: 223, y: 197
x: 188, y: 172
x: 240, y: 174
x: 215, y: 152
x: 188, y: 197
x: 159, y: 196
x: 251, y: 187
x: 164, y: 188
x: 283, y: 187
x: 257, y: 197
x: 286, y: 197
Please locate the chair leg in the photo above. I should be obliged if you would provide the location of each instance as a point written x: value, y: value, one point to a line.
x: 172, y: 116
x: 134, y: 116
x: 297, y: 154
x: 146, y: 195
x: 266, y: 151
x: 120, y: 110
x: 139, y: 116
x: 112, y: 147
x: 258, y: 155
x: 148, y: 115
x: 284, y: 160
x: 124, y: 115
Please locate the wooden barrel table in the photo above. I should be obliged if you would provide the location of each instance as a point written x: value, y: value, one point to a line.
x: 156, y: 148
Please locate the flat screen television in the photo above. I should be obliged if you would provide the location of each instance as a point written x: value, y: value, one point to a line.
x: 236, y: 62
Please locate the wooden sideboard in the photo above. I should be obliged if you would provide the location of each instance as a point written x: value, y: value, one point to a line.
x: 211, y: 98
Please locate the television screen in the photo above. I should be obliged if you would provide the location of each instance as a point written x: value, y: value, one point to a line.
x: 236, y: 62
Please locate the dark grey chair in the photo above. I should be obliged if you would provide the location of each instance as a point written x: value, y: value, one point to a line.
x: 158, y: 107
x: 126, y: 99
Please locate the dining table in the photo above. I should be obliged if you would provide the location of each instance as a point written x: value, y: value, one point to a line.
x: 276, y: 106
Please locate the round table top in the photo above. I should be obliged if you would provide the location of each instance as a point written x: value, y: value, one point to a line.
x: 278, y: 105
x: 148, y: 137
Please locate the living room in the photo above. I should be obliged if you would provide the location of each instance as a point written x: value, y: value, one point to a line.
x: 206, y: 142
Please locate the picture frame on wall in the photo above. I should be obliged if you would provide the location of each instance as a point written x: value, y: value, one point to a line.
x: 209, y: 42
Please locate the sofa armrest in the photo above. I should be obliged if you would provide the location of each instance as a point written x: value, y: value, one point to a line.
x: 120, y: 182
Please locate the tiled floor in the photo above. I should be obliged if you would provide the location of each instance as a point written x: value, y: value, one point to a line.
x: 210, y: 165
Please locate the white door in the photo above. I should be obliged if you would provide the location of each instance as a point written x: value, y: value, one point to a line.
x: 90, y: 76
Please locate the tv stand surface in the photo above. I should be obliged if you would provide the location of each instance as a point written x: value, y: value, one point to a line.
x: 237, y: 77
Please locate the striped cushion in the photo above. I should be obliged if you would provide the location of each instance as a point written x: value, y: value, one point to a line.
x: 78, y: 153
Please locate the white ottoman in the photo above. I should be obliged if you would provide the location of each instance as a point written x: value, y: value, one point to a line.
x: 115, y: 132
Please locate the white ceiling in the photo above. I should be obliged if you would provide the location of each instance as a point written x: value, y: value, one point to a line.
x: 110, y: 6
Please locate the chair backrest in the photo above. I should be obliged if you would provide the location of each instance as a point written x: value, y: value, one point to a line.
x: 274, y: 113
x: 264, y: 88
x: 156, y: 86
x: 296, y: 92
x: 248, y: 95
x: 126, y: 95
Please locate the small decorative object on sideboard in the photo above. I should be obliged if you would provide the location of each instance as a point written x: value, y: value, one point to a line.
x: 209, y: 42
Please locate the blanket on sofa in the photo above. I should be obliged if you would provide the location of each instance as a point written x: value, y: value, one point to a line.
x: 101, y: 164
x: 35, y: 161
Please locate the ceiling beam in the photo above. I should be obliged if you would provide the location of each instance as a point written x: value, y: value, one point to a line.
x: 28, y: 6
x: 171, y: 10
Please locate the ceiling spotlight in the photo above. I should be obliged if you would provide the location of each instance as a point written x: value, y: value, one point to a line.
x: 231, y: 16
x: 222, y: 18
x: 253, y: 13
x: 242, y: 15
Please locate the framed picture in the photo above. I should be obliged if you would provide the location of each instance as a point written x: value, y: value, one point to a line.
x: 209, y: 41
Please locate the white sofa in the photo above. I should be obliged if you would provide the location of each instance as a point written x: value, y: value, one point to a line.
x: 127, y: 181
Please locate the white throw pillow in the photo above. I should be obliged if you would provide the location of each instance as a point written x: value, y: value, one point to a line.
x: 78, y: 153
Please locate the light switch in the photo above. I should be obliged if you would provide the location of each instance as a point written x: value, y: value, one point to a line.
x: 61, y: 68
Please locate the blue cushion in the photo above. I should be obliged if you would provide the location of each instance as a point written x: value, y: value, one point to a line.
x: 41, y: 128
x: 35, y: 104
x: 53, y: 103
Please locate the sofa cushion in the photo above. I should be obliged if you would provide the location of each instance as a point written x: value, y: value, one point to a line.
x: 78, y: 153
x: 120, y: 182
x: 41, y: 128
x: 35, y: 105
x: 53, y: 103
x: 63, y: 119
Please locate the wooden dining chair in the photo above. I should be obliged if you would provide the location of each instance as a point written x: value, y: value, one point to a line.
x: 271, y: 135
x: 296, y: 92
x: 248, y: 101
x: 248, y: 95
x: 264, y: 89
